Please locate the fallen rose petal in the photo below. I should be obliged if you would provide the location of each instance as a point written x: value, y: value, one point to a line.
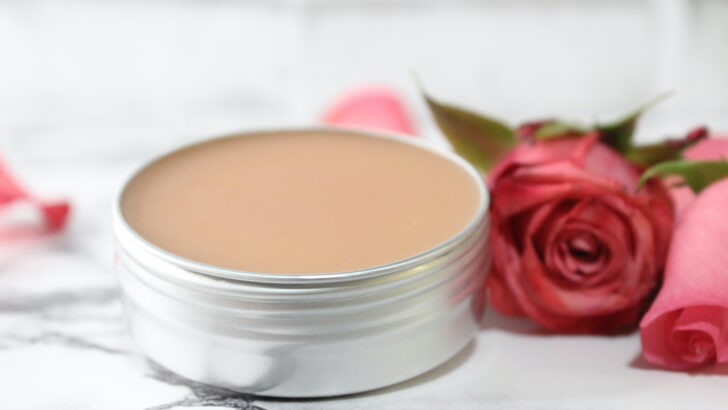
x: 687, y: 325
x: 54, y: 213
x: 375, y: 108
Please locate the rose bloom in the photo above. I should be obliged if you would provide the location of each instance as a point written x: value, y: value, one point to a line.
x: 576, y: 246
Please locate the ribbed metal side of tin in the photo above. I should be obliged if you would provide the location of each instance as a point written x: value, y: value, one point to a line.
x: 305, y: 335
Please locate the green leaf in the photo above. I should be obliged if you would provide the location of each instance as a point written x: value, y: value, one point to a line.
x: 668, y: 150
x: 558, y: 129
x: 618, y: 134
x: 479, y: 139
x: 653, y: 154
x: 696, y: 174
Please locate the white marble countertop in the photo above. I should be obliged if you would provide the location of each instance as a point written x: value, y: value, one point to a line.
x: 63, y: 344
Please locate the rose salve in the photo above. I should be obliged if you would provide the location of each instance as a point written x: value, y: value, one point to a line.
x: 303, y: 263
x: 307, y: 202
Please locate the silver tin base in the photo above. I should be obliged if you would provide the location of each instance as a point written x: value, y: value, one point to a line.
x: 329, y: 368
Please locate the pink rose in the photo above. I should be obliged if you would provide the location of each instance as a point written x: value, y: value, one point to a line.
x: 687, y: 326
x: 576, y: 247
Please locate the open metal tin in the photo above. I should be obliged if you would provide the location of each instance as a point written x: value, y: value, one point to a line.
x: 307, y: 335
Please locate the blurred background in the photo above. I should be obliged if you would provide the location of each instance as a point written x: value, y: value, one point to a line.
x: 83, y: 80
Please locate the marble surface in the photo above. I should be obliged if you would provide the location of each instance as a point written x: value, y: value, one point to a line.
x: 63, y: 344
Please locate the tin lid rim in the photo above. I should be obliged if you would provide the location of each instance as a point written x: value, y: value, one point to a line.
x: 122, y: 227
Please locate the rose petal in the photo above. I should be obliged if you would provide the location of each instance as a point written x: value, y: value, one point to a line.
x: 9, y: 189
x: 54, y: 213
x: 529, y: 187
x: 583, y: 271
x: 506, y: 264
x: 591, y: 217
x: 714, y: 147
x: 696, y: 275
x: 582, y: 253
x: 594, y: 159
x: 687, y: 338
x: 376, y: 108
x: 702, y: 332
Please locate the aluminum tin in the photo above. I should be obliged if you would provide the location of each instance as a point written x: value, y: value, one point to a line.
x: 305, y: 335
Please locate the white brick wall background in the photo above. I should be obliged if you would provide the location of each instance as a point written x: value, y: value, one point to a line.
x: 133, y: 76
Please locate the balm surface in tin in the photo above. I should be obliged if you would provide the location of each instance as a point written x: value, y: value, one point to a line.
x: 303, y: 263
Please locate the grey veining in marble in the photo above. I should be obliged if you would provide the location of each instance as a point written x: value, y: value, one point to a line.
x: 88, y: 319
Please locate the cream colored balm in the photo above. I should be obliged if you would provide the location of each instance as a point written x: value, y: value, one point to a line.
x: 311, y: 202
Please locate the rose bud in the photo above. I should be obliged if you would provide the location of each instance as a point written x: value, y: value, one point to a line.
x: 687, y: 326
x: 577, y: 247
